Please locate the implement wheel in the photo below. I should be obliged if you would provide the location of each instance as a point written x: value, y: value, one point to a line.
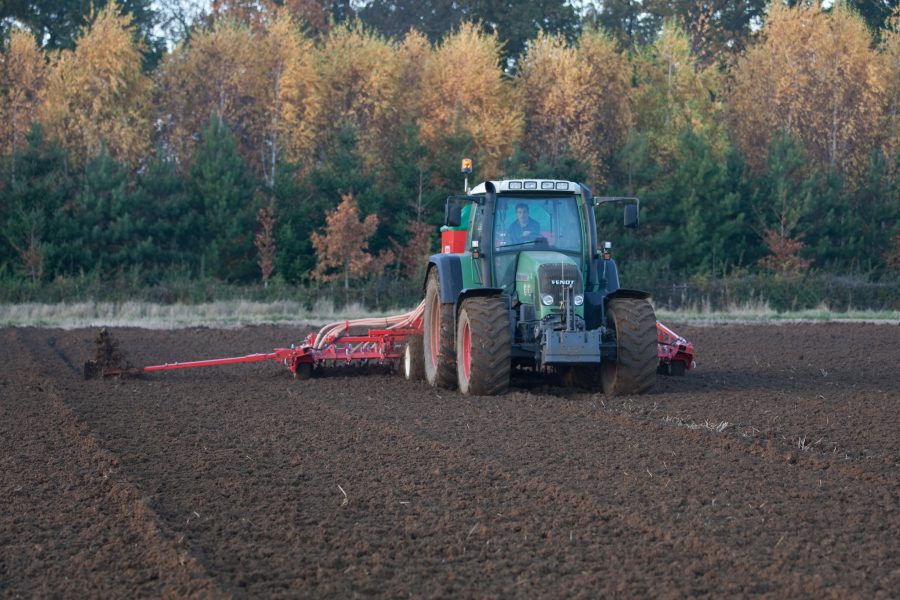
x: 483, y: 345
x: 414, y: 359
x: 440, y: 354
x: 634, y: 371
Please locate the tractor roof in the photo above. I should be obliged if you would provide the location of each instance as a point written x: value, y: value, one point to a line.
x: 530, y: 186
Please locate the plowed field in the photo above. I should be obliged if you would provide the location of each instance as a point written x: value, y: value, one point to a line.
x: 770, y: 470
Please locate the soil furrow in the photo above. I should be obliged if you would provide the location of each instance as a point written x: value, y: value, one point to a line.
x: 353, y: 485
x: 71, y: 521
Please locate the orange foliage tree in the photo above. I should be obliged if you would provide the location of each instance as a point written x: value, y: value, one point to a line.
x: 342, y: 249
x: 98, y: 94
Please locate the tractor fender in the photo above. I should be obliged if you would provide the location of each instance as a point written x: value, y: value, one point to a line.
x: 449, y: 271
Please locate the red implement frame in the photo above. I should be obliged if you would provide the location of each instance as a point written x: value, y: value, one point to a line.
x: 381, y: 345
x: 378, y: 345
x: 676, y: 354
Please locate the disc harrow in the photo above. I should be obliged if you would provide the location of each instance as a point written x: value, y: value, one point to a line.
x: 382, y: 342
x: 353, y: 342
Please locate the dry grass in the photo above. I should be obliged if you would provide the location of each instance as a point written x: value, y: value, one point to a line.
x: 224, y: 314
x: 236, y: 313
x: 763, y: 313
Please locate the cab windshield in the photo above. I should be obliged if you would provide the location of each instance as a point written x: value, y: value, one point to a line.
x: 537, y: 223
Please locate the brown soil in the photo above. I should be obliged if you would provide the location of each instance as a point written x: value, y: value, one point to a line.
x: 239, y: 481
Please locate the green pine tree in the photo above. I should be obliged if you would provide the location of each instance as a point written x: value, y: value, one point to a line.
x: 221, y: 191
x: 34, y: 209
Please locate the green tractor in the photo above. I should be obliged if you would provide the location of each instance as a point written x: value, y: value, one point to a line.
x: 522, y: 284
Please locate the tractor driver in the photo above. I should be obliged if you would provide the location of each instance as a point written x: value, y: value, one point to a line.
x: 524, y: 228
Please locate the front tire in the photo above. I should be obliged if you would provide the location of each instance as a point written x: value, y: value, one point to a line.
x: 483, y: 346
x: 440, y: 350
x: 634, y: 371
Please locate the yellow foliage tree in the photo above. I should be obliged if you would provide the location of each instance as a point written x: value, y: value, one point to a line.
x: 575, y: 100
x: 286, y: 98
x: 402, y: 104
x: 23, y: 77
x: 217, y: 72
x: 358, y: 71
x: 342, y: 249
x: 260, y: 81
x: 98, y: 95
x: 675, y: 92
x: 891, y: 57
x: 464, y: 93
x: 815, y: 75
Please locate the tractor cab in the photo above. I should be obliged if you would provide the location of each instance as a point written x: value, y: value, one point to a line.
x: 523, y: 228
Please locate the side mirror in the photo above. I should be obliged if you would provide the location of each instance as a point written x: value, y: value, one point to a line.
x: 631, y: 216
x: 452, y: 215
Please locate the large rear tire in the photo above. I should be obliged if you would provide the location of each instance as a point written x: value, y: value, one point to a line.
x: 634, y: 371
x: 440, y: 350
x: 483, y: 346
x: 414, y: 359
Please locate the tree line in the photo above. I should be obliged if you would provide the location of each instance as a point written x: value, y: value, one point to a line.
x: 300, y: 140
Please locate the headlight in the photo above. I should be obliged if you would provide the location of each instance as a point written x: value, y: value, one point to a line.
x: 547, y: 300
x: 579, y: 299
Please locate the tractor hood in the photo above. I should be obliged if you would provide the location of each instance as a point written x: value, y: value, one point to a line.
x: 541, y: 274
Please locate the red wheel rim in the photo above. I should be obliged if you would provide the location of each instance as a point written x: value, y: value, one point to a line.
x: 466, y: 350
x: 434, y: 345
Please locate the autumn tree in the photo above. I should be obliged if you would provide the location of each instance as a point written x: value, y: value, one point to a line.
x: 357, y: 75
x: 890, y: 53
x: 673, y: 93
x: 413, y: 256
x: 97, y: 95
x: 265, y: 242
x: 260, y: 81
x: 212, y: 73
x: 342, y: 249
x: 465, y: 97
x: 23, y: 75
x: 815, y: 75
x: 402, y: 106
x: 576, y: 101
x: 293, y: 98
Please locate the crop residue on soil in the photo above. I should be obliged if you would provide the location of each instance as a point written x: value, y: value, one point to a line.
x: 771, y: 470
